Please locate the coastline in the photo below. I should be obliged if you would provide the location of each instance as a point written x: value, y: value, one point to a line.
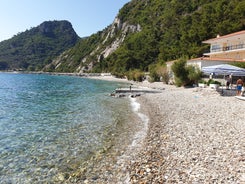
x: 194, y: 135
x: 181, y: 135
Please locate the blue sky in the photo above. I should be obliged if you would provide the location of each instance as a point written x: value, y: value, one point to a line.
x: 86, y: 16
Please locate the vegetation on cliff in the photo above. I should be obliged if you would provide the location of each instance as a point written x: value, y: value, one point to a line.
x: 168, y: 31
x: 35, y: 48
x: 144, y: 35
x: 173, y: 29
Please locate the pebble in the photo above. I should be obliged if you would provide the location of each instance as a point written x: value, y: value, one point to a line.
x: 194, y: 136
x: 200, y: 141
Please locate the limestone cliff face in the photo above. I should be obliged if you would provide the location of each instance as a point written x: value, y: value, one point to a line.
x: 110, y: 40
x: 125, y: 29
x: 105, y: 50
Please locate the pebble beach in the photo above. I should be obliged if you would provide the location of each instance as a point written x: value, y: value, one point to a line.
x: 193, y: 135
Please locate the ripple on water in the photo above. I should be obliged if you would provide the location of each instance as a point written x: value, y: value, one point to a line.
x: 51, y: 124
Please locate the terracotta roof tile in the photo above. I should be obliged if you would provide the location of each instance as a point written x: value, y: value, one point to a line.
x: 225, y: 36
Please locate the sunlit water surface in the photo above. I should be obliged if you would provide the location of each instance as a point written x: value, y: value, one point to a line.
x: 50, y: 124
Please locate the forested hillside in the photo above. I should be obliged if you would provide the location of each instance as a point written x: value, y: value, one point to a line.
x: 153, y: 31
x: 145, y: 32
x: 172, y: 29
x: 35, y: 48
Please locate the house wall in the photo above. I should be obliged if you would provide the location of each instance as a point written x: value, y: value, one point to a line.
x: 203, y: 63
x: 223, y: 50
x: 229, y: 46
x: 236, y: 55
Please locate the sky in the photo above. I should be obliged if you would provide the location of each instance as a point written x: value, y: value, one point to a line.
x: 86, y: 16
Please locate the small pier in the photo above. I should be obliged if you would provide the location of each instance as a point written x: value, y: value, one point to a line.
x: 133, y: 92
x: 137, y: 90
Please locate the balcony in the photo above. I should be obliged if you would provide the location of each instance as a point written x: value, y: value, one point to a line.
x: 228, y: 48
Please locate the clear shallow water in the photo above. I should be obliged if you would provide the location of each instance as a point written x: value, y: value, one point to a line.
x: 51, y: 124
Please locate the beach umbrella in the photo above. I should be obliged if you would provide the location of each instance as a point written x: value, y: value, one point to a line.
x: 223, y: 69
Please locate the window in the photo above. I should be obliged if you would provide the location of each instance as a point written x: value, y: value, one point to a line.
x: 215, y: 48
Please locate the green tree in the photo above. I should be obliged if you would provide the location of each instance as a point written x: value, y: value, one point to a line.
x: 194, y: 74
x: 180, y: 72
x: 185, y: 74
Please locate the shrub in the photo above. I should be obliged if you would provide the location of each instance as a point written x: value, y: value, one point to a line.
x: 194, y: 74
x: 159, y: 72
x: 211, y: 81
x: 163, y: 73
x: 136, y: 75
x: 118, y: 75
x: 201, y: 81
x: 178, y: 82
x: 180, y: 72
x: 185, y: 75
x: 154, y: 76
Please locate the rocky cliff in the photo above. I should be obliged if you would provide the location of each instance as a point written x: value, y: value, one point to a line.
x: 35, y: 48
x: 105, y: 43
x: 144, y: 34
x: 149, y: 32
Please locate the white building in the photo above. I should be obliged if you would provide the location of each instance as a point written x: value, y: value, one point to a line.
x: 223, y: 49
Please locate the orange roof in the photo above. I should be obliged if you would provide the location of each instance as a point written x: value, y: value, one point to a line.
x: 236, y: 34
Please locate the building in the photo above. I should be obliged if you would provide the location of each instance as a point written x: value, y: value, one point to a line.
x: 223, y: 50
x: 231, y: 46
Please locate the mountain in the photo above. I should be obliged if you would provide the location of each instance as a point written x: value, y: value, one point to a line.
x: 147, y: 32
x: 35, y: 48
x: 143, y: 34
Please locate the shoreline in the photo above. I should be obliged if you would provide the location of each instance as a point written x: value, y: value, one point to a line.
x: 195, y: 135
x: 111, y: 166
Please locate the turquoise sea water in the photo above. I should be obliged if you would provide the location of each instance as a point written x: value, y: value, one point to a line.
x: 48, y: 124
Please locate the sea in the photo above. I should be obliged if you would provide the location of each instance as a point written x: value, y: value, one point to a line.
x: 51, y: 124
